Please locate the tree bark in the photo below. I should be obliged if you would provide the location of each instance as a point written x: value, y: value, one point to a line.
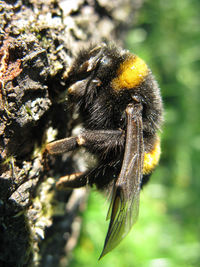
x: 38, y: 40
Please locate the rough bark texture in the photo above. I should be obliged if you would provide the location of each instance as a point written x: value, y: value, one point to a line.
x: 38, y: 40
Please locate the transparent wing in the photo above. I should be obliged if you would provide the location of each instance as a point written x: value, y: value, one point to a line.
x: 124, y: 206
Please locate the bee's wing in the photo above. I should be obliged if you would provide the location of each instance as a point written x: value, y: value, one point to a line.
x: 124, y: 206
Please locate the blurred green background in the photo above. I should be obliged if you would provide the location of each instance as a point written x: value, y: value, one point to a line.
x: 167, y: 233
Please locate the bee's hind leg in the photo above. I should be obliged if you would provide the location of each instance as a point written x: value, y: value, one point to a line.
x: 71, y: 181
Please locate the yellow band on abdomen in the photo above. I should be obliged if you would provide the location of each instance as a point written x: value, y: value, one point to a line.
x: 151, y: 158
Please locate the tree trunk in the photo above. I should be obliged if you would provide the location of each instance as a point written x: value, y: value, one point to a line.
x: 38, y: 40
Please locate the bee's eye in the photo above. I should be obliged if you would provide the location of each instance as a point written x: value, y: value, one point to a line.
x: 106, y: 61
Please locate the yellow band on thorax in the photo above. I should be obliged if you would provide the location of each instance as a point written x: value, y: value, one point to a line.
x: 130, y: 74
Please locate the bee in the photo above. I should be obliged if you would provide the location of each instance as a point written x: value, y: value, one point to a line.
x: 119, y: 102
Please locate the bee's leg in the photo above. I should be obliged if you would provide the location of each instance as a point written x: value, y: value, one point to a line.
x: 71, y: 181
x: 102, y: 140
x: 62, y: 145
x: 101, y: 176
x: 95, y: 140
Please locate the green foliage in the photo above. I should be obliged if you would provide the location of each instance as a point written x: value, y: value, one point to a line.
x: 167, y: 233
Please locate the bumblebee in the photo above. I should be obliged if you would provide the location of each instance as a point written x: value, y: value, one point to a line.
x: 120, y: 105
